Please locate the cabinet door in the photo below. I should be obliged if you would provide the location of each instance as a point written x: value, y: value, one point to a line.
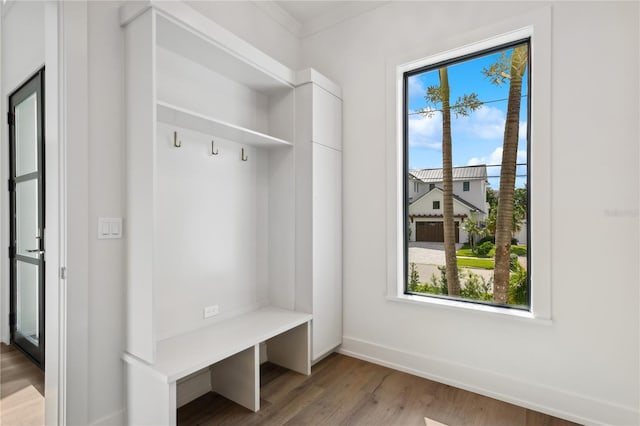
x: 327, y: 249
x: 327, y: 118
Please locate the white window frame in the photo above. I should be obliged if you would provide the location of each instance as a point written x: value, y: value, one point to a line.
x: 535, y: 25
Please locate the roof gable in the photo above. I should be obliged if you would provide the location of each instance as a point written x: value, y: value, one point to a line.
x: 456, y: 199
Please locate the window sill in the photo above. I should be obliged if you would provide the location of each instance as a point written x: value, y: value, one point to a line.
x: 455, y: 305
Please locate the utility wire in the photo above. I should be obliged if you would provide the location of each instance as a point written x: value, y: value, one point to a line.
x: 457, y: 105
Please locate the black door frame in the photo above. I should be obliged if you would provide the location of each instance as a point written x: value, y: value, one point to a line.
x: 35, y: 84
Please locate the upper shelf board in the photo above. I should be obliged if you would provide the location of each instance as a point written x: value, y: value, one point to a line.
x: 187, y: 32
x: 184, y: 118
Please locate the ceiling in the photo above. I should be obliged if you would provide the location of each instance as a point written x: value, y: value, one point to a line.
x: 303, y: 18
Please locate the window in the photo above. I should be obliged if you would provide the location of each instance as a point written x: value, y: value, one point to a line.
x: 416, y: 187
x: 461, y: 117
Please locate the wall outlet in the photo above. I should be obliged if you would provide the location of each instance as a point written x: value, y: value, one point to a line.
x: 210, y: 311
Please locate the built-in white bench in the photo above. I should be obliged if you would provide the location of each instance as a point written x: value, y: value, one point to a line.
x: 230, y: 350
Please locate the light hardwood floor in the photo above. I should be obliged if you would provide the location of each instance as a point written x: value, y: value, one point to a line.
x: 21, y: 389
x: 346, y: 391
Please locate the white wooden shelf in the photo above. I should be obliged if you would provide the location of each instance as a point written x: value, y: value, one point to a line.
x: 184, y: 118
x: 184, y: 354
x: 206, y: 42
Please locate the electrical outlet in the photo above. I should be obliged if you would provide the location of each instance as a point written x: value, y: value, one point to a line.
x: 211, y: 311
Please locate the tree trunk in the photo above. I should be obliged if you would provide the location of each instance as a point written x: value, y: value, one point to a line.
x: 453, y: 283
x: 504, y: 221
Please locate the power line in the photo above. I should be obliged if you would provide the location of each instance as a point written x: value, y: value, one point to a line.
x: 457, y: 105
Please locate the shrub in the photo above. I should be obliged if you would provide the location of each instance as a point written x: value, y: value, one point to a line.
x: 414, y: 277
x: 484, y: 248
x: 518, y: 291
x: 519, y: 250
x: 490, y: 238
x: 513, y: 262
x: 476, y: 287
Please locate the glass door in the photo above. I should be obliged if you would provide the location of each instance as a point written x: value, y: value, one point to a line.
x: 26, y: 189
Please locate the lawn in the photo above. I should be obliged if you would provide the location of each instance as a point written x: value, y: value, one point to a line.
x: 467, y: 252
x: 475, y: 263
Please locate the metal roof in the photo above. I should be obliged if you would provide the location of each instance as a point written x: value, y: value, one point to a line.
x: 459, y: 173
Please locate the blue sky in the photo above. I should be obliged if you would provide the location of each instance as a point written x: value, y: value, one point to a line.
x: 477, y: 139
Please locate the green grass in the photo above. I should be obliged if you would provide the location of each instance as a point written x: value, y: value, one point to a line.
x: 476, y: 263
x: 467, y: 252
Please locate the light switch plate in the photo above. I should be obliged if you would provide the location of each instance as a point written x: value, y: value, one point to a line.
x: 109, y: 228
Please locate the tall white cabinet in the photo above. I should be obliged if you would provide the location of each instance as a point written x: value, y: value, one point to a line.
x: 319, y: 208
x: 233, y: 204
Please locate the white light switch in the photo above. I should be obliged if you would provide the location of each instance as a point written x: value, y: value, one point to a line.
x: 109, y: 228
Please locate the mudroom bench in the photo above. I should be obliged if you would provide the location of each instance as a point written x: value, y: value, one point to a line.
x: 230, y: 350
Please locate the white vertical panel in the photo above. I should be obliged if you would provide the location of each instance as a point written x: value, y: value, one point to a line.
x: 150, y: 401
x: 238, y: 378
x: 303, y: 200
x: 291, y: 349
x: 327, y: 249
x: 141, y: 187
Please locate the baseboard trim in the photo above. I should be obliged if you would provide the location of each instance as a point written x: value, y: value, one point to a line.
x: 113, y: 419
x: 545, y: 399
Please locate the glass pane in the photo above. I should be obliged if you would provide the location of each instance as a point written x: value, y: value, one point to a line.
x: 27, y: 217
x: 27, y: 301
x: 467, y: 146
x: 27, y: 136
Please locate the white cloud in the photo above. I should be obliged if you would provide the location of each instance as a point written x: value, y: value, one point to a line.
x: 485, y: 123
x: 425, y: 131
x: 416, y: 88
x: 522, y: 131
x: 496, y: 158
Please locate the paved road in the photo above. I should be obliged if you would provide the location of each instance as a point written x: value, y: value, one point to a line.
x: 428, y: 256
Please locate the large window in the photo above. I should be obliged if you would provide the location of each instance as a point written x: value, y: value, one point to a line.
x: 466, y: 133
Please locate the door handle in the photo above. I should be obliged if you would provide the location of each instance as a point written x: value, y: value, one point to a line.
x: 35, y: 251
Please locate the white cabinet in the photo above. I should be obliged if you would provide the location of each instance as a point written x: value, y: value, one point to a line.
x: 327, y: 250
x: 233, y: 200
x: 319, y: 211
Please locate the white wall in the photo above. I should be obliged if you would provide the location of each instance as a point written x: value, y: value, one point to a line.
x: 106, y: 198
x: 251, y: 23
x: 583, y: 366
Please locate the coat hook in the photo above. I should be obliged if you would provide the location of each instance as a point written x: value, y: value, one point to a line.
x: 243, y: 157
x: 213, y: 150
x: 176, y: 142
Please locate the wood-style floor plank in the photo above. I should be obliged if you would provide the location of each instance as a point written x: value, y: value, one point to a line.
x: 21, y: 389
x: 346, y: 391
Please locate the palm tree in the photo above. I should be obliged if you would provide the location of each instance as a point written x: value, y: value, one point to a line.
x: 471, y: 227
x: 505, y: 214
x: 440, y: 95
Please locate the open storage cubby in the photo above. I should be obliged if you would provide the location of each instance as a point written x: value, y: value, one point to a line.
x: 233, y: 201
x: 210, y: 182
